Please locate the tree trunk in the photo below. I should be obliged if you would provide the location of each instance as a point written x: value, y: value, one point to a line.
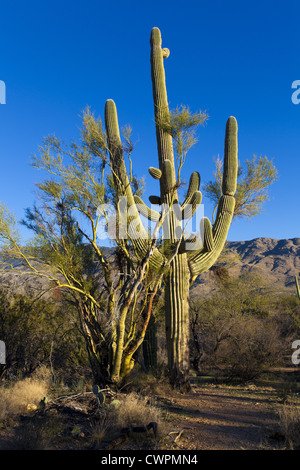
x: 150, y: 345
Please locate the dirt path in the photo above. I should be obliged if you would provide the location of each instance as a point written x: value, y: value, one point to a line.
x: 220, y: 418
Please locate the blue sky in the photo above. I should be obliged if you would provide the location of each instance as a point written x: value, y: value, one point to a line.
x: 228, y: 57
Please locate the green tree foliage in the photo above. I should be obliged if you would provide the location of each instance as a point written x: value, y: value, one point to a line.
x: 252, y: 189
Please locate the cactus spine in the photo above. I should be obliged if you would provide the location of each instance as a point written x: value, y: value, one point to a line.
x: 185, y: 264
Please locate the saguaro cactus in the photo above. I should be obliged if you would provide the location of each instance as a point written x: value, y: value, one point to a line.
x: 185, y: 264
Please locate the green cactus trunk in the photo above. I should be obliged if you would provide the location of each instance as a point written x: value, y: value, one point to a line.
x: 176, y: 281
x: 186, y: 266
x: 177, y: 321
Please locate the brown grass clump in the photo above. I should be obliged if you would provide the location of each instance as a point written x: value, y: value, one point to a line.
x: 128, y: 412
x: 24, y: 395
x: 290, y: 424
x: 136, y: 410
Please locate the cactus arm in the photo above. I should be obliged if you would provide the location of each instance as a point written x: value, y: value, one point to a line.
x: 194, y: 185
x: 155, y: 200
x: 230, y: 157
x: 208, y: 239
x: 135, y: 227
x: 201, y: 260
x: 189, y: 210
x: 116, y: 151
x: 144, y: 210
x: 168, y: 177
x: 155, y: 172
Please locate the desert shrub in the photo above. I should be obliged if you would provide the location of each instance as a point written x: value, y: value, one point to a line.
x: 234, y: 330
x: 286, y: 310
x: 38, y: 332
x: 252, y: 347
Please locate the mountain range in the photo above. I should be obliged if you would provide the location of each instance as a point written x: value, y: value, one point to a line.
x: 276, y: 261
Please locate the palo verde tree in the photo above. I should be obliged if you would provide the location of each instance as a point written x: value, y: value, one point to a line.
x: 252, y: 186
x: 113, y: 291
x: 182, y: 260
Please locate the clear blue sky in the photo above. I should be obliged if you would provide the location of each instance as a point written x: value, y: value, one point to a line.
x: 233, y: 57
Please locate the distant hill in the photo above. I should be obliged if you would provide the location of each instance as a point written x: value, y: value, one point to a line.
x: 276, y: 261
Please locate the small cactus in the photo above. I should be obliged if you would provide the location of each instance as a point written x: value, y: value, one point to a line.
x: 43, y: 403
x: 100, y: 397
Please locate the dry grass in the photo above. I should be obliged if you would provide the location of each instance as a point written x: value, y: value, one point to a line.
x: 19, y: 397
x: 136, y: 410
x: 290, y: 424
x: 102, y: 429
x: 132, y: 410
